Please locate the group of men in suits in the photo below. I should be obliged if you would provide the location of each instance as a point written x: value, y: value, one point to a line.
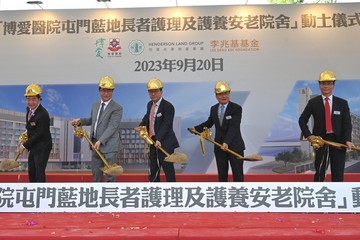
x: 226, y: 117
x: 331, y: 122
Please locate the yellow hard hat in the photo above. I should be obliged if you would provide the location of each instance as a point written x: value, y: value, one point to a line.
x: 33, y: 90
x: 106, y: 82
x: 222, y: 87
x: 326, y: 76
x: 154, y: 83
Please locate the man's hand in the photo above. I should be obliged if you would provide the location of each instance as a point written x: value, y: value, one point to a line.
x: 21, y: 147
x: 138, y: 129
x: 191, y: 130
x: 224, y: 146
x: 350, y: 145
x: 311, y: 138
x: 157, y: 144
x: 97, y: 145
x: 76, y: 122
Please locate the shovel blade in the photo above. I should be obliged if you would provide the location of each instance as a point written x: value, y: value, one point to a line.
x: 179, y: 158
x: 252, y: 158
x: 8, y: 164
x: 113, y: 170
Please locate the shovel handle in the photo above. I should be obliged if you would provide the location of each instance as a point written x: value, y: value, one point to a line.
x: 144, y: 135
x: 97, y: 151
x: 17, y: 155
x: 150, y: 141
x: 84, y: 133
x: 23, y: 138
x: 163, y: 150
x: 339, y: 145
x: 192, y: 130
x: 227, y: 149
x: 345, y: 146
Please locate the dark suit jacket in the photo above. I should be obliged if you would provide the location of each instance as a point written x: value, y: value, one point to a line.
x: 108, y: 126
x: 38, y: 129
x: 229, y: 132
x: 163, y: 124
x: 340, y: 118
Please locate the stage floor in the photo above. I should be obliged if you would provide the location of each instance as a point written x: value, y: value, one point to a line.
x: 248, y: 226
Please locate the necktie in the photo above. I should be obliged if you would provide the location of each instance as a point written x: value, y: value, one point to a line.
x: 98, y: 118
x: 152, y: 119
x: 29, y: 115
x: 221, y: 115
x: 101, y: 110
x: 328, y: 123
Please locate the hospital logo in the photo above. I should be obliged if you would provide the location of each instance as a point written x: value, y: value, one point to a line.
x: 114, y: 44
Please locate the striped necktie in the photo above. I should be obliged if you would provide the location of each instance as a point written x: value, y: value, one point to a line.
x: 152, y: 120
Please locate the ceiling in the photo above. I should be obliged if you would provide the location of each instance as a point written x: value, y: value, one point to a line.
x: 8, y: 5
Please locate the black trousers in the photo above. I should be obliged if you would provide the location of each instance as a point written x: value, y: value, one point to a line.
x: 329, y: 155
x: 222, y: 162
x: 37, y: 161
x: 156, y: 162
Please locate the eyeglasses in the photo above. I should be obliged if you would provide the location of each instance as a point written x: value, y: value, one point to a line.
x: 326, y: 83
x: 154, y: 91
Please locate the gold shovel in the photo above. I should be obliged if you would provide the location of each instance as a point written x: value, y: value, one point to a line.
x: 207, y: 135
x: 114, y: 169
x: 8, y: 164
x: 176, y: 157
x: 320, y: 142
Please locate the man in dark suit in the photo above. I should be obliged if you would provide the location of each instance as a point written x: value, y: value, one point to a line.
x: 226, y: 116
x: 39, y: 142
x: 159, y: 120
x: 336, y: 127
x: 105, y: 120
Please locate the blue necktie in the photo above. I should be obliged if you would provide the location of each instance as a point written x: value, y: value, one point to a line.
x: 221, y: 116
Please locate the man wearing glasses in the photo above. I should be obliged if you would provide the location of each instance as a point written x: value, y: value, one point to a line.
x: 105, y: 121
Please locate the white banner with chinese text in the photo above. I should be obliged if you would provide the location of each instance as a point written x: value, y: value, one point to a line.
x: 180, y: 197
